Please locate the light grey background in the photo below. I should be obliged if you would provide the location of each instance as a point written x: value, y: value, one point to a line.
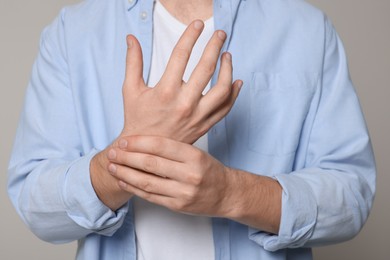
x: 365, y: 29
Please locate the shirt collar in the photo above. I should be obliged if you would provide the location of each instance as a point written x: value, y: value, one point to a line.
x: 130, y: 4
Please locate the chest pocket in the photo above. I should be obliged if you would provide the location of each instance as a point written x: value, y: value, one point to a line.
x: 279, y: 104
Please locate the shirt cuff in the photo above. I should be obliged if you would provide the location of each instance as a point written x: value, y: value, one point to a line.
x: 82, y: 204
x: 299, y: 214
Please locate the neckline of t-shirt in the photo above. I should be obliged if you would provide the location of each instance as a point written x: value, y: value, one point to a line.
x: 175, y: 23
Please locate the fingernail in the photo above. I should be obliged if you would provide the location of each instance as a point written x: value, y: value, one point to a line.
x: 198, y: 25
x: 221, y: 35
x: 112, y: 168
x: 111, y: 154
x: 240, y: 83
x: 228, y: 56
x: 129, y: 42
x: 122, y: 184
x: 122, y: 143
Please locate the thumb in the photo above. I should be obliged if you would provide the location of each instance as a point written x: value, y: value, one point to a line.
x: 134, y: 63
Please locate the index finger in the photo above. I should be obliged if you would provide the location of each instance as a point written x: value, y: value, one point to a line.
x: 156, y: 145
x: 177, y: 63
x: 134, y: 62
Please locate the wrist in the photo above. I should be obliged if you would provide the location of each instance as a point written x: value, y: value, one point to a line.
x: 105, y: 185
x: 233, y: 197
x: 254, y: 200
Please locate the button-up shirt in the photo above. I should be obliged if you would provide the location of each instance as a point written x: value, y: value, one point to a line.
x: 297, y: 119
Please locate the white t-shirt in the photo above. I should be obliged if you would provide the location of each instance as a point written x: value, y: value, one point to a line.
x: 163, y: 234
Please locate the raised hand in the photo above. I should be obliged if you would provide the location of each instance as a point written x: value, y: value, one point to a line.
x: 174, y: 108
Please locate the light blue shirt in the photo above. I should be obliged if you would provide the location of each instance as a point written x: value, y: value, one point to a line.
x: 297, y: 119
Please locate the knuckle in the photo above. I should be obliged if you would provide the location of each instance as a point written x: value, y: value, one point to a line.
x: 194, y: 179
x: 184, y: 110
x: 189, y: 197
x: 208, y: 67
x: 180, y: 205
x: 166, y: 95
x: 157, y: 145
x: 198, y: 157
x: 145, y: 185
x: 154, y: 143
x: 150, y: 164
x: 225, y: 92
x: 181, y: 53
x: 133, y: 141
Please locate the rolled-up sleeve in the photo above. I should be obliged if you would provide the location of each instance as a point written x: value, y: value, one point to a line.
x: 328, y: 196
x: 49, y: 182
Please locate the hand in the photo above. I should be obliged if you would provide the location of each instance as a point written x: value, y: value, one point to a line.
x: 172, y: 174
x: 174, y: 108
x: 185, y: 179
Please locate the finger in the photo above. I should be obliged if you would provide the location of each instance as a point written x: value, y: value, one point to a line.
x: 134, y: 63
x: 146, y: 182
x: 205, y: 69
x: 177, y: 63
x: 158, y: 199
x: 156, y: 145
x: 225, y: 108
x: 222, y: 90
x: 150, y: 163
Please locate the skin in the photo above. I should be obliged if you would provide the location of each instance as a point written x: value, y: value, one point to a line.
x: 173, y: 108
x: 188, y: 11
x: 153, y: 157
x: 185, y: 179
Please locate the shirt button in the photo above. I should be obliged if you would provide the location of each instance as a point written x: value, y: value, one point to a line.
x: 214, y: 131
x: 130, y: 1
x: 144, y: 15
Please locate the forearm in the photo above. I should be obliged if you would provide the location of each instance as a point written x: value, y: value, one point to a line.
x: 196, y: 183
x: 53, y: 196
x: 254, y: 200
